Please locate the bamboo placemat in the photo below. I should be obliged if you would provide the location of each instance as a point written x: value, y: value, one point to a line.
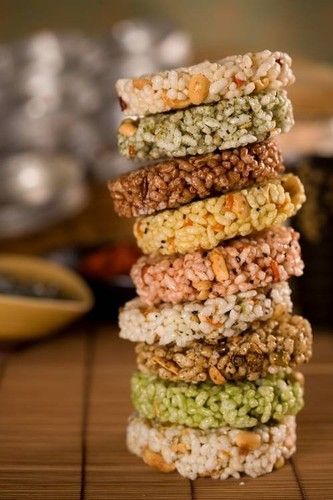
x: 63, y: 409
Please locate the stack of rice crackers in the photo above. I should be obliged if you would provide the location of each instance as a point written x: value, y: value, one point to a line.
x: 218, y: 347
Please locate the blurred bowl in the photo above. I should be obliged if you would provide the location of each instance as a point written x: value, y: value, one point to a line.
x: 37, y: 190
x: 26, y: 318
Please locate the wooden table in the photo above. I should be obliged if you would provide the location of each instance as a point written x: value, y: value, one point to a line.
x: 63, y: 408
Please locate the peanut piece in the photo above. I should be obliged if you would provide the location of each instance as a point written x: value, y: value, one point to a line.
x: 203, y: 295
x: 127, y: 128
x: 279, y: 463
x: 299, y: 377
x: 202, y: 285
x: 171, y: 367
x: 262, y: 84
x: 216, y: 376
x: 219, y: 266
x: 139, y: 83
x: 157, y: 461
x: 240, y: 205
x: 198, y: 88
x: 175, y: 103
x: 247, y: 440
x: 294, y: 187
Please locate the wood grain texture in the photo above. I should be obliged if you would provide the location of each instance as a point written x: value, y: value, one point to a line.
x: 314, y: 459
x: 249, y: 488
x: 63, y: 410
x: 41, y: 421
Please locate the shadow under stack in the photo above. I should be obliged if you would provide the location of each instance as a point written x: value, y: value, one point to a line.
x: 218, y: 347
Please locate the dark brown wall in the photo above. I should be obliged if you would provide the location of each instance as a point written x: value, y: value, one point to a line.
x: 302, y: 27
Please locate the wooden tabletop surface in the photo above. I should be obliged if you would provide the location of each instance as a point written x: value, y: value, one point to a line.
x: 64, y: 403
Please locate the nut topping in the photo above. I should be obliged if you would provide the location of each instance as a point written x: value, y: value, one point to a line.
x: 127, y: 128
x: 262, y: 84
x: 198, y: 88
x: 216, y: 376
x: 139, y: 83
x: 171, y: 367
x: 219, y: 265
x: 279, y: 463
x: 240, y: 205
x: 175, y: 103
x: 248, y: 441
x: 157, y: 461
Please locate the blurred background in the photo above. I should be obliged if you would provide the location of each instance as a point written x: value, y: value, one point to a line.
x: 59, y: 61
